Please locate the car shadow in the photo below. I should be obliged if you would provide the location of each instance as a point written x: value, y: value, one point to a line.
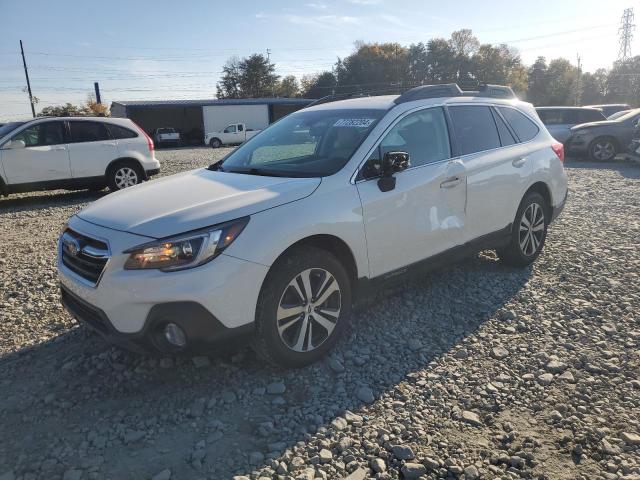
x: 129, y: 416
x: 50, y: 199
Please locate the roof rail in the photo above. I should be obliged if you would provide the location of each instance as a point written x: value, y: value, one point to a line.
x: 357, y: 94
x: 454, y: 90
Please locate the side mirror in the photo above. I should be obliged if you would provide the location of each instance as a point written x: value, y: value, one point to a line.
x: 392, y: 162
x: 15, y: 144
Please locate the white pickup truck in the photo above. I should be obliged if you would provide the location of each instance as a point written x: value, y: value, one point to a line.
x: 166, y: 136
x: 232, y: 134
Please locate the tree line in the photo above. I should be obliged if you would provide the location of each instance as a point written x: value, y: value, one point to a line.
x: 379, y: 68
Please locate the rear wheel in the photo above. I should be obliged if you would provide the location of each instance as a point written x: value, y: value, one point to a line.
x: 215, y: 143
x: 124, y: 175
x: 528, y: 232
x: 603, y: 149
x: 303, y: 309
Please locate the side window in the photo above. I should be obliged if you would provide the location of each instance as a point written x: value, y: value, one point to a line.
x: 525, y: 129
x: 475, y: 129
x: 586, y: 116
x: 30, y: 136
x: 423, y: 135
x: 240, y: 128
x: 230, y: 129
x: 506, y: 138
x: 87, y: 131
x: 43, y: 134
x: 117, y: 132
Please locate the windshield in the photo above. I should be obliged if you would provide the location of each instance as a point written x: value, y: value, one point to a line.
x: 7, y: 127
x: 304, y: 144
x: 617, y: 115
x: 630, y: 114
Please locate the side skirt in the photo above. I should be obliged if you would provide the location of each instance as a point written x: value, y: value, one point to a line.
x: 367, y: 288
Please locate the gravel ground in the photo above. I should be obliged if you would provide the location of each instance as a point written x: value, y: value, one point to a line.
x: 476, y: 371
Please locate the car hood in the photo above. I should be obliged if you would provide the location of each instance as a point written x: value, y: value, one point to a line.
x: 603, y: 123
x: 192, y: 200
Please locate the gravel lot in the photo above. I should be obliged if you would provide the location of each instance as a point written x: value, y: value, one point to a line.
x: 476, y: 371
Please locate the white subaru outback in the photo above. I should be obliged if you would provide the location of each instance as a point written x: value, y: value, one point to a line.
x: 281, y: 238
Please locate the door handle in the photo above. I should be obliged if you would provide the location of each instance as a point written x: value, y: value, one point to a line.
x: 518, y: 162
x: 59, y: 148
x: 108, y: 144
x: 451, y: 182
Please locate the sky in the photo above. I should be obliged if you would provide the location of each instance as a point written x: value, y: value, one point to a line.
x: 146, y: 50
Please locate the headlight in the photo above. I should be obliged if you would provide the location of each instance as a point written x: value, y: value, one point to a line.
x: 184, y: 251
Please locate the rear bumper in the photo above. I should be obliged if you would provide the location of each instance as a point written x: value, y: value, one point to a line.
x: 153, y: 171
x: 204, y: 332
x: 557, y: 209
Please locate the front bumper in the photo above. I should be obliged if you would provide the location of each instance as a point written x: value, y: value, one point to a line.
x: 211, y: 302
x: 577, y: 146
x: 203, y: 331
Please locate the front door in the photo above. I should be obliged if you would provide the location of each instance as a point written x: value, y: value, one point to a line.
x: 44, y: 158
x: 425, y: 213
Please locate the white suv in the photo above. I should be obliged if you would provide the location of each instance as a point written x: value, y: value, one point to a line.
x: 280, y: 239
x: 74, y: 153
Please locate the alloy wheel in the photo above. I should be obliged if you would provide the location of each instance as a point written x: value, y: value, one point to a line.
x: 125, y: 177
x: 531, y: 232
x: 309, y: 310
x: 604, y: 150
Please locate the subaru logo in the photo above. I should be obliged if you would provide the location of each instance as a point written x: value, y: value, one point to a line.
x: 71, y: 245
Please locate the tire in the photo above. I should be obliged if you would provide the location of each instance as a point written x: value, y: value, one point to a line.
x: 124, y: 174
x: 526, y: 244
x: 215, y: 143
x: 603, y: 149
x: 299, y: 338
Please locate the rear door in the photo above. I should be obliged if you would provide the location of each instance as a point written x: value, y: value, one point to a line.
x: 91, y: 148
x: 127, y: 140
x: 44, y: 158
x: 496, y: 164
x: 425, y: 213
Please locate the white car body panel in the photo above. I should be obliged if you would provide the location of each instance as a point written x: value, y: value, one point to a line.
x: 191, y: 200
x: 35, y: 164
x: 90, y: 159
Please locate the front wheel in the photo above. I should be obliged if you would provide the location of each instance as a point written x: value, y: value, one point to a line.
x: 602, y: 149
x: 528, y: 232
x: 303, y: 309
x: 124, y: 175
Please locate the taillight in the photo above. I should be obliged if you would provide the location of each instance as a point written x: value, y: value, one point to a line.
x: 558, y: 148
x: 149, y: 139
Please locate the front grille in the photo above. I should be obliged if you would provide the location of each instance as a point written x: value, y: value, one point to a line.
x: 84, y: 312
x: 84, y: 255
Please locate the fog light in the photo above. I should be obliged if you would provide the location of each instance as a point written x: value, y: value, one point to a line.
x: 175, y: 335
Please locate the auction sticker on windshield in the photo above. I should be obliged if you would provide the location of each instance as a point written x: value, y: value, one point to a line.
x: 354, y: 122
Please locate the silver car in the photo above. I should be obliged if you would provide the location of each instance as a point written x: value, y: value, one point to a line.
x: 559, y: 120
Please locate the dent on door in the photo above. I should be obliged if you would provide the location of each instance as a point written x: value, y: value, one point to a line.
x: 422, y: 216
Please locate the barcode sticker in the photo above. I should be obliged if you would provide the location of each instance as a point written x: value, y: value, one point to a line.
x: 354, y: 122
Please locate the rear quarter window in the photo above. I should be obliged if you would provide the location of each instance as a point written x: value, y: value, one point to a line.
x: 118, y: 133
x: 524, y: 127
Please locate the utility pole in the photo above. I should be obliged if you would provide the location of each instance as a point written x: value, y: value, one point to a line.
x: 97, y: 89
x: 627, y: 27
x: 26, y: 74
x: 273, y: 87
x: 579, y: 81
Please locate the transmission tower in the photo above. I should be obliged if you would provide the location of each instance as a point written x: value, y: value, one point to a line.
x: 626, y: 30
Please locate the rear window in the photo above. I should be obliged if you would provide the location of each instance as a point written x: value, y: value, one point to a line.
x: 87, y: 131
x: 525, y: 129
x: 475, y: 128
x: 117, y: 132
